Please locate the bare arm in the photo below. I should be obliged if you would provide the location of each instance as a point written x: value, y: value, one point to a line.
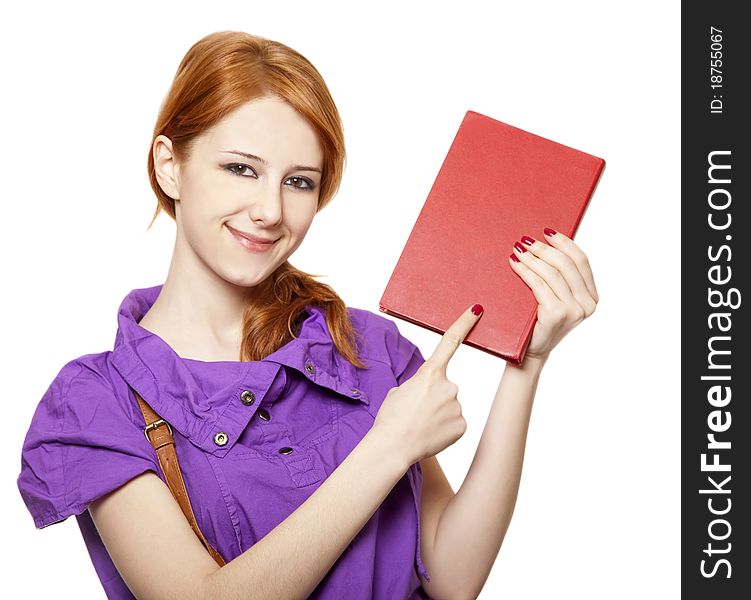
x: 463, y: 542
x: 471, y: 528
x: 159, y: 556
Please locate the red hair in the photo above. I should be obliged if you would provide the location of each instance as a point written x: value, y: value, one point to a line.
x: 219, y: 73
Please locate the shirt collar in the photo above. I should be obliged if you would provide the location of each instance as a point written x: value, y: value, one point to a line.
x: 166, y: 383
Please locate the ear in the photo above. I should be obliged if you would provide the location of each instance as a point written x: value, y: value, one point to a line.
x: 166, y: 168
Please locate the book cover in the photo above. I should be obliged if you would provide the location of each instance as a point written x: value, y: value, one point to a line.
x: 496, y: 184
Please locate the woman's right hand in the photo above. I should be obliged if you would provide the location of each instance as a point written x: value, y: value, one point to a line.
x: 423, y: 415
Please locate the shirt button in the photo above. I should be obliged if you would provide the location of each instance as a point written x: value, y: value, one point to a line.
x: 285, y: 450
x: 310, y: 368
x: 220, y: 438
x: 247, y: 397
x: 263, y: 414
x: 355, y: 392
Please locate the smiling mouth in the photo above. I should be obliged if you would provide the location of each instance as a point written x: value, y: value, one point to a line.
x: 247, y: 241
x: 251, y: 238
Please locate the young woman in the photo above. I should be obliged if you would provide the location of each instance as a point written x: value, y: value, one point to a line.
x: 306, y: 431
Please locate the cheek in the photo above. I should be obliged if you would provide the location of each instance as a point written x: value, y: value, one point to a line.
x: 195, y: 217
x: 205, y: 197
x: 299, y: 217
x: 200, y: 217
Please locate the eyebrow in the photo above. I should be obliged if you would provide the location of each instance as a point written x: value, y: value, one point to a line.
x: 262, y: 161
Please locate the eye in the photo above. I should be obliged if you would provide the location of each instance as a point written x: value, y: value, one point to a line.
x: 239, y: 169
x: 243, y: 170
x: 304, y: 180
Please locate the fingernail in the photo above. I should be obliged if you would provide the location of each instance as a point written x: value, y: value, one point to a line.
x: 519, y: 247
x: 550, y: 232
x: 477, y: 309
x: 528, y: 240
x: 514, y: 257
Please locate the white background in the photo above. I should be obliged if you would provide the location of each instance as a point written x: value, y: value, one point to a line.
x: 598, y: 510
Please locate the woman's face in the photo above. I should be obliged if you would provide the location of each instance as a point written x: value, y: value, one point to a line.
x: 257, y: 172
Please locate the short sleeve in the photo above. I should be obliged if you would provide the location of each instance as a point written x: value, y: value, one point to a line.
x: 83, y: 442
x: 405, y: 356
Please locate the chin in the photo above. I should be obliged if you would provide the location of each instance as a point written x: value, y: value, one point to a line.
x: 246, y: 278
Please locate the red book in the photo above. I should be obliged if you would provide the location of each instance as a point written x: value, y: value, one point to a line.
x: 497, y: 183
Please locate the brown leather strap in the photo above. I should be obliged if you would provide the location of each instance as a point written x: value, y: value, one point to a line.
x: 159, y: 433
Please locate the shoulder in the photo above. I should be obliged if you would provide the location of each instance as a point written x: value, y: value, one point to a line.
x: 88, y: 393
x: 382, y: 341
x: 84, y: 373
x: 86, y: 369
x: 84, y: 389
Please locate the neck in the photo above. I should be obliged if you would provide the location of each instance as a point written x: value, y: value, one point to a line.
x: 199, y: 314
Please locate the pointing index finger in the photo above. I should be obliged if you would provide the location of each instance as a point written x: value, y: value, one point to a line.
x: 455, y: 335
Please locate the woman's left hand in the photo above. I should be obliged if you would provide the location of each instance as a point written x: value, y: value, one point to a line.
x: 561, y: 279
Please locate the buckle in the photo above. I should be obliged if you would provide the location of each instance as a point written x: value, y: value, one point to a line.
x: 154, y: 425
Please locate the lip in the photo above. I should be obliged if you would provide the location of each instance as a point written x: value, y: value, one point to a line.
x: 248, y: 236
x: 250, y: 242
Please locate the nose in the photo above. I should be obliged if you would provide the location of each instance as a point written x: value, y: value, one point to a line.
x: 267, y: 205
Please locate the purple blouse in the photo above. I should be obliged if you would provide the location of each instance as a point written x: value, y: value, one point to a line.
x: 310, y: 407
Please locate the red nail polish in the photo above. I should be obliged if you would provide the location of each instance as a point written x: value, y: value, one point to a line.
x: 528, y: 240
x: 550, y: 232
x: 519, y: 247
x: 514, y: 257
x: 477, y: 309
